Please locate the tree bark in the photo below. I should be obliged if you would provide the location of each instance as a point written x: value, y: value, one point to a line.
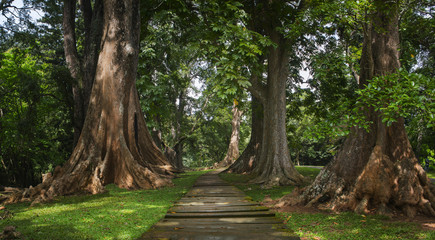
x: 233, y: 147
x: 82, y: 69
x: 375, y: 170
x: 115, y: 145
x: 179, y: 155
x: 275, y: 166
x: 249, y: 157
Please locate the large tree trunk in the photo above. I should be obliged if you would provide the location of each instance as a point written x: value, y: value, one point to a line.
x: 249, y: 158
x: 274, y: 166
x: 233, y: 147
x: 115, y: 145
x: 82, y: 69
x: 375, y: 170
x: 179, y: 155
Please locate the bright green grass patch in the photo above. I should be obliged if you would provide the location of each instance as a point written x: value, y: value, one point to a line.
x: 431, y: 174
x: 116, y: 214
x: 308, y: 171
x: 331, y: 226
x: 254, y: 190
x: 349, y: 225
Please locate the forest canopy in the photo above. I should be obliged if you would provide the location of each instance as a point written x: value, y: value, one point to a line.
x: 196, y: 61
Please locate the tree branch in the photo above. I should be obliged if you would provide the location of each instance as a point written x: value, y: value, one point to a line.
x: 86, y: 8
x: 257, y: 88
x: 69, y: 42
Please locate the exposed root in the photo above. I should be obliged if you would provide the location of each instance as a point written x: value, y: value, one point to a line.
x: 379, y: 188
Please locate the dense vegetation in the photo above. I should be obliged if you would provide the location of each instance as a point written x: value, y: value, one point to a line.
x: 195, y: 59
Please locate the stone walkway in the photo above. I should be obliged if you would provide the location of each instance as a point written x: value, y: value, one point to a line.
x: 213, y: 209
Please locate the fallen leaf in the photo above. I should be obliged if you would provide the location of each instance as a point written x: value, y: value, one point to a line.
x: 178, y: 228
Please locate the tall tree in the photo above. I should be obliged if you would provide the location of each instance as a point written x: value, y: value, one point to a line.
x: 274, y: 166
x: 249, y: 157
x: 115, y: 145
x: 375, y: 169
x: 167, y: 65
x: 82, y: 66
x: 233, y: 147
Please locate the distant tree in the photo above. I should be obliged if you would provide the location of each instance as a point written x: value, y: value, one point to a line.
x: 248, y: 159
x: 233, y: 147
x: 168, y: 64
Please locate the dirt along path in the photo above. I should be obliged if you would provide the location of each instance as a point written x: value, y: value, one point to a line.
x: 214, y: 209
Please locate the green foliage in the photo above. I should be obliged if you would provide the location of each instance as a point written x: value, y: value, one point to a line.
x: 429, y: 155
x: 306, y: 149
x: 178, y: 83
x: 35, y: 129
x: 400, y: 94
x: 209, y: 143
x: 231, y: 47
x: 116, y: 214
x: 417, y: 50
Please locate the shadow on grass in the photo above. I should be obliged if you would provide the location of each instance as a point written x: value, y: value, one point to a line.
x: 116, y: 214
x: 331, y: 226
x: 349, y: 225
x: 255, y: 191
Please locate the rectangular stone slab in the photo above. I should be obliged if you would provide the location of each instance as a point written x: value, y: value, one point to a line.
x: 208, y: 204
x: 215, y: 210
x: 200, y: 209
x: 221, y: 215
x: 211, y: 221
x: 219, y: 235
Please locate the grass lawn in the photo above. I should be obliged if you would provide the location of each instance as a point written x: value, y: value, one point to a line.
x: 116, y: 214
x: 327, y: 226
x: 431, y: 174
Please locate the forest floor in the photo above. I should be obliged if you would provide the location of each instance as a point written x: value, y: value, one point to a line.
x: 115, y: 214
x: 312, y: 223
x: 124, y: 214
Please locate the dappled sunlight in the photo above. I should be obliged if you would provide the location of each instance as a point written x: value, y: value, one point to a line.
x: 115, y: 214
x: 237, y: 220
x: 348, y: 225
x: 201, y: 203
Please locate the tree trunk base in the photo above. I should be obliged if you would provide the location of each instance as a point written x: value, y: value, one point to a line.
x: 383, y: 187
